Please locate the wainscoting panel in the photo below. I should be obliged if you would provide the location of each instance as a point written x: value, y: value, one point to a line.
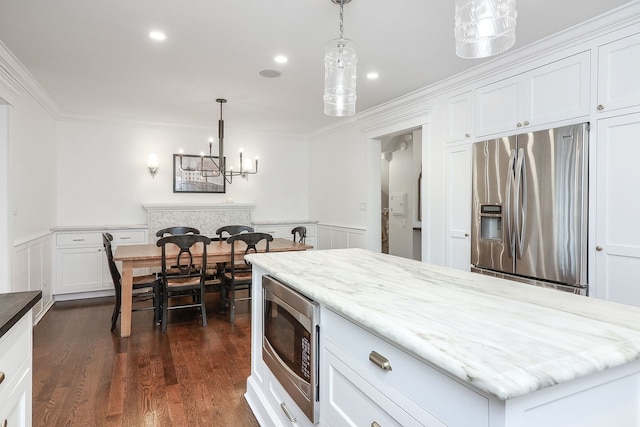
x: 338, y: 237
x: 32, y: 270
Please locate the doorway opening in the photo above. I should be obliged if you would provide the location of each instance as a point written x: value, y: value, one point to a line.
x: 400, y: 186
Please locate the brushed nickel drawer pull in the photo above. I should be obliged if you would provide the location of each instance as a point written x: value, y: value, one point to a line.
x: 287, y: 413
x: 1, y: 377
x: 380, y: 361
x: 125, y: 238
x: 375, y: 424
x: 78, y: 240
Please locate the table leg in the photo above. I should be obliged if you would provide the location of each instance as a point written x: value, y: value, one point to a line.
x: 127, y: 294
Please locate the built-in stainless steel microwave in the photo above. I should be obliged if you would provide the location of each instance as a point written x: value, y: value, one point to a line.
x: 290, y: 342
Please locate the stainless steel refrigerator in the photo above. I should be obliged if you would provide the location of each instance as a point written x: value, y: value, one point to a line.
x: 530, y: 208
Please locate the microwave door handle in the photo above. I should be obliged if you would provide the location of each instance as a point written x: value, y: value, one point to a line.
x: 518, y: 204
x: 508, y: 205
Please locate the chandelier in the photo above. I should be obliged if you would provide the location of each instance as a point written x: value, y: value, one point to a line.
x: 340, y: 59
x: 216, y: 166
x: 484, y: 27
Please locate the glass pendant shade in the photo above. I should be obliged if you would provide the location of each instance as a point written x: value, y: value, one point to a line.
x: 340, y: 60
x: 484, y: 27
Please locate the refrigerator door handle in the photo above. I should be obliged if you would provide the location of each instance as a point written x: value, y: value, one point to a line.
x: 509, y: 234
x: 520, y: 203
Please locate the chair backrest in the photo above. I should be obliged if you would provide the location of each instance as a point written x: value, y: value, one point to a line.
x: 107, y: 238
x: 182, y: 261
x: 231, y: 230
x: 251, y: 239
x: 301, y: 234
x: 177, y: 230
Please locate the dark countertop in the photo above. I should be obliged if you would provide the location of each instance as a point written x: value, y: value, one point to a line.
x: 15, y: 305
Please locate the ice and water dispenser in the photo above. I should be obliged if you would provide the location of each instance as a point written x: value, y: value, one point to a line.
x: 491, y: 222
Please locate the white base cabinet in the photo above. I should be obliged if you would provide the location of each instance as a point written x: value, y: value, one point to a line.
x: 81, y: 264
x: 16, y: 368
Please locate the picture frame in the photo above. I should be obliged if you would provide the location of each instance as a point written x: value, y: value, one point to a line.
x: 188, y: 175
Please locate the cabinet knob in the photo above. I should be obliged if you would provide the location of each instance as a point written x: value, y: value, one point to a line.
x: 466, y: 234
x: 375, y: 424
x: 466, y: 135
x: 526, y: 122
x: 1, y: 377
x: 519, y: 124
x: 4, y: 423
x: 600, y: 107
x: 380, y: 361
x: 599, y: 248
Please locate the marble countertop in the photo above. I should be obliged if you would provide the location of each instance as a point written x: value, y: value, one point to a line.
x: 13, y: 306
x: 506, y: 338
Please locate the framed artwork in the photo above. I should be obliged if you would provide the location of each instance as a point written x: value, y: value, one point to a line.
x: 197, y: 174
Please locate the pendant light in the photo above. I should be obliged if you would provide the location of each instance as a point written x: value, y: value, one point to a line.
x: 340, y: 60
x: 484, y: 27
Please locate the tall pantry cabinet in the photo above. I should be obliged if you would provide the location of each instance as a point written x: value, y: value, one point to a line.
x: 615, y: 169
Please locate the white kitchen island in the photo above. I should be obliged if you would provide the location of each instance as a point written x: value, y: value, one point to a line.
x: 464, y: 349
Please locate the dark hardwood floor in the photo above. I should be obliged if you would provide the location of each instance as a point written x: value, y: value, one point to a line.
x: 84, y: 375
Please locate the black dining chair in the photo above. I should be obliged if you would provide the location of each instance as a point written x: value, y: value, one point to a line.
x: 230, y: 230
x: 180, y: 277
x: 171, y: 231
x: 145, y: 288
x: 223, y: 233
x: 299, y: 234
x: 237, y: 275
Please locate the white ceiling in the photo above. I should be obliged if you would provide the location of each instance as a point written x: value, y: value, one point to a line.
x: 95, y: 60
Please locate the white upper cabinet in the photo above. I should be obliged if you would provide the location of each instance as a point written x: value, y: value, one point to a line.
x: 459, y: 117
x: 554, y: 92
x: 619, y: 74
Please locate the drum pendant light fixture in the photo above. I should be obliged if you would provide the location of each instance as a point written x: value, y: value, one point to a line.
x: 484, y: 27
x: 340, y: 60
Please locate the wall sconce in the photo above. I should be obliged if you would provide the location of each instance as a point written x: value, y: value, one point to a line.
x: 152, y: 165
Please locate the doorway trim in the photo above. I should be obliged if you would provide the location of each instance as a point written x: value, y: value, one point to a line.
x: 419, y: 118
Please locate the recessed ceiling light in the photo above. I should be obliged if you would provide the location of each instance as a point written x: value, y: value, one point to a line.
x: 281, y: 59
x: 157, y: 35
x: 372, y: 75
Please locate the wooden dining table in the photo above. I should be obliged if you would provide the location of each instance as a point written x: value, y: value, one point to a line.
x: 150, y: 255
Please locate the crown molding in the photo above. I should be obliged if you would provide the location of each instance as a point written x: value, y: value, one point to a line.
x: 15, y: 77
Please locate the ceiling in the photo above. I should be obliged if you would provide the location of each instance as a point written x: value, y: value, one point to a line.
x: 95, y: 60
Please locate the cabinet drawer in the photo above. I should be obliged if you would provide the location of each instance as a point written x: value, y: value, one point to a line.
x: 352, y: 401
x: 432, y: 390
x: 78, y: 239
x: 15, y: 355
x: 128, y: 237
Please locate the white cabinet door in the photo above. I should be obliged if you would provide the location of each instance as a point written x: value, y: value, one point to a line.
x: 80, y: 270
x: 619, y: 74
x: 615, y: 251
x: 558, y: 91
x: 551, y: 93
x: 499, y: 106
x: 459, y: 117
x: 458, y: 245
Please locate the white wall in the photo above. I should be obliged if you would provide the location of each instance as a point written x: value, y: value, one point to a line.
x: 103, y: 179
x: 32, y: 169
x: 338, y: 178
